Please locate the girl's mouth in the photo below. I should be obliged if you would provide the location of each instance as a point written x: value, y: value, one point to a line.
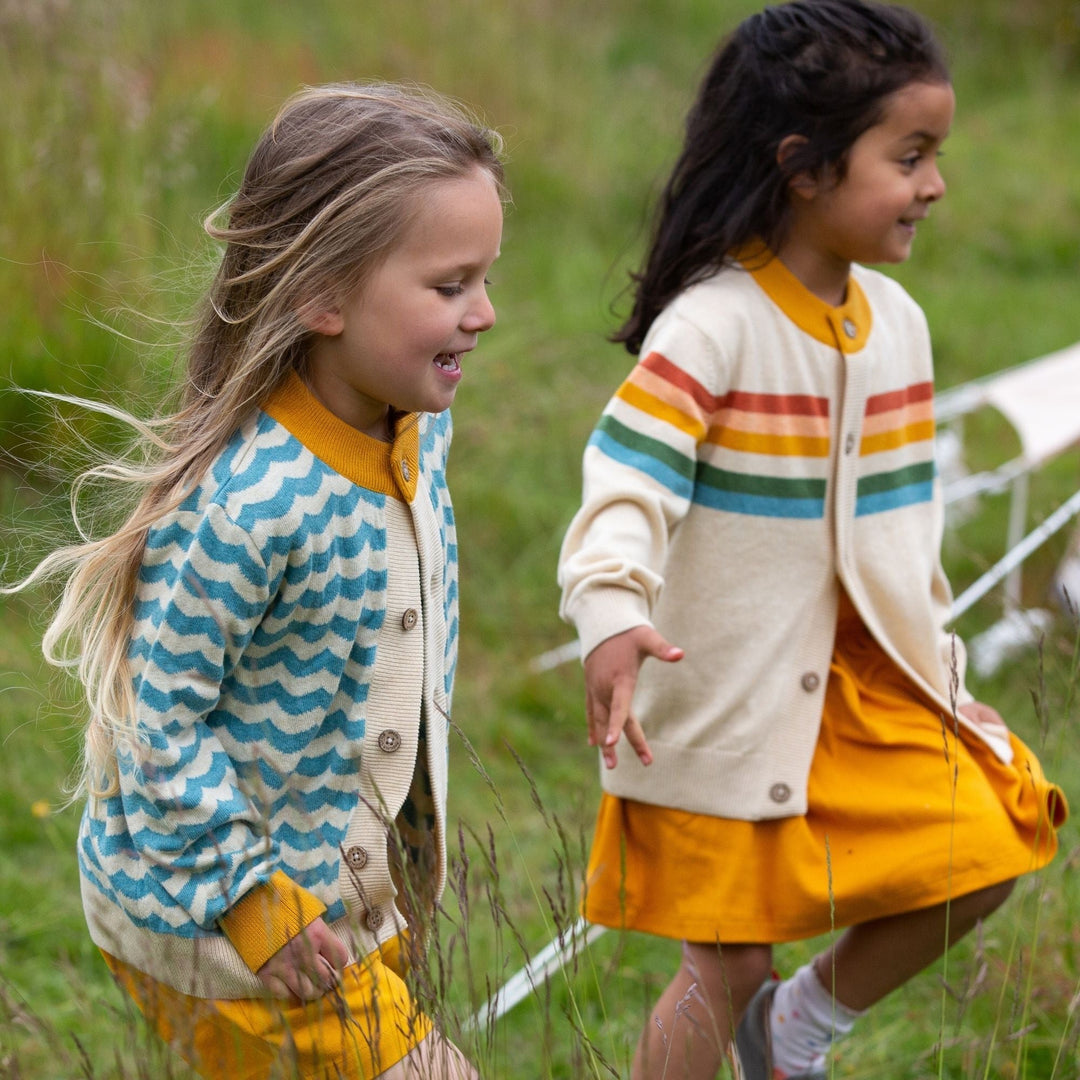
x: 448, y: 362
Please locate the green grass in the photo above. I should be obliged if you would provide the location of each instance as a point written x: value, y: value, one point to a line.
x: 125, y: 122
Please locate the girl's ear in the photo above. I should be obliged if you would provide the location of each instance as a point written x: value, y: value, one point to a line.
x: 803, y: 184
x: 319, y: 319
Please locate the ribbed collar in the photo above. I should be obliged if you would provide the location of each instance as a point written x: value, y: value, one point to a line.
x: 846, y: 327
x: 389, y: 468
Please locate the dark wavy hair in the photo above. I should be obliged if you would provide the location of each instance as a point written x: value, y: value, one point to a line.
x: 821, y: 69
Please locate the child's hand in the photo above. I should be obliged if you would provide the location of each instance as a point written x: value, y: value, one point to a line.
x: 985, y: 717
x: 306, y: 967
x: 611, y: 672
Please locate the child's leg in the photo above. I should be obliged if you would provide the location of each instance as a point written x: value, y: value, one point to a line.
x: 690, y: 1028
x: 434, y: 1059
x: 868, y: 962
x: 872, y: 959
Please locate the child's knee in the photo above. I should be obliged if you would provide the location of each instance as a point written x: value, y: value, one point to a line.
x: 735, y: 970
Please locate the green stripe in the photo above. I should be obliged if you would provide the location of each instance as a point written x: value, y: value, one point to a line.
x: 800, y: 487
x: 876, y: 483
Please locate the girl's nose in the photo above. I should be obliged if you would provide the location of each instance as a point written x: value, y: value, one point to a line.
x: 935, y: 185
x: 480, y: 316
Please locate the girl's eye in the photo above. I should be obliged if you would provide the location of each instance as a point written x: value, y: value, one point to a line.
x: 910, y: 162
x: 450, y: 290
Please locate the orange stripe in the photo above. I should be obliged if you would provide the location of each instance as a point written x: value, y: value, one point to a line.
x: 772, y: 423
x: 921, y: 412
x: 665, y: 390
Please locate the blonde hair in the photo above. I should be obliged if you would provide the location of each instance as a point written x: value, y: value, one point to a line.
x: 328, y: 190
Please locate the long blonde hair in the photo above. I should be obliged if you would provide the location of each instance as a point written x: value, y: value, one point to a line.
x: 327, y: 192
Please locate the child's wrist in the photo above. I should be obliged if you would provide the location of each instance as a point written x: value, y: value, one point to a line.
x: 268, y: 917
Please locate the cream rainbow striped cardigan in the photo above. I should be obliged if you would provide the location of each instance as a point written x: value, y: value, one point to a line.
x: 766, y: 449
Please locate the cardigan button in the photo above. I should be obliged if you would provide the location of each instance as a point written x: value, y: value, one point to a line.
x: 389, y: 741
x: 810, y: 682
x: 356, y: 857
x: 779, y: 793
x: 850, y: 328
x: 409, y: 618
x: 373, y: 919
x: 405, y: 471
x: 849, y: 442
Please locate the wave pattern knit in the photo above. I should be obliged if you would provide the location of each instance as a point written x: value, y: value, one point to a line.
x: 293, y: 650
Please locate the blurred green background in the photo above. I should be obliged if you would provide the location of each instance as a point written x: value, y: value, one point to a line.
x: 124, y: 123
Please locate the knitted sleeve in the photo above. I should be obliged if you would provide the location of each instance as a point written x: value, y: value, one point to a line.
x: 639, y: 479
x: 203, y: 589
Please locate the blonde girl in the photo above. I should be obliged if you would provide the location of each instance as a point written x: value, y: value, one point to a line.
x: 268, y: 642
x: 761, y: 516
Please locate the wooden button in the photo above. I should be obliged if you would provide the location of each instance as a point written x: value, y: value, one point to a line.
x: 389, y: 741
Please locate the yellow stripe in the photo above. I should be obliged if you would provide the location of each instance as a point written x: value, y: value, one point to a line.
x: 891, y: 440
x: 654, y: 406
x: 775, y: 445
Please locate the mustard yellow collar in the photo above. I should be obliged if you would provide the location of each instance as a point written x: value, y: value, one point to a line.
x: 845, y: 327
x: 389, y: 468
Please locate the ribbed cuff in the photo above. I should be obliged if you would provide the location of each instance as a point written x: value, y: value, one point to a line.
x: 268, y: 918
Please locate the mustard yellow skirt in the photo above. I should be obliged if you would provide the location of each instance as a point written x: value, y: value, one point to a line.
x: 355, y: 1032
x: 902, y: 815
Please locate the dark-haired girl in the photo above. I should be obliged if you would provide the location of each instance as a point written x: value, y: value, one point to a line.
x: 761, y: 491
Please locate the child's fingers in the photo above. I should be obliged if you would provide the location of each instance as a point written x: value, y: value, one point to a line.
x: 636, y: 738
x: 334, y: 952
x: 276, y: 986
x: 305, y: 987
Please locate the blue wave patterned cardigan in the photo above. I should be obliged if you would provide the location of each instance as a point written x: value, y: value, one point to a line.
x: 293, y: 653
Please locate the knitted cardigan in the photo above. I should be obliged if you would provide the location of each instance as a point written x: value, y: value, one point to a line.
x: 294, y: 643
x: 766, y: 449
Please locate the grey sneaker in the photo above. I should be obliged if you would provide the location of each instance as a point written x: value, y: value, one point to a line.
x: 753, y: 1040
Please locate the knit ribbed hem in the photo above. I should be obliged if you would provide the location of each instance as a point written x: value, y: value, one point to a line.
x: 268, y: 917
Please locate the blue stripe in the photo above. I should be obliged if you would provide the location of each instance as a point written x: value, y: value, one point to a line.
x: 645, y: 463
x: 736, y: 502
x: 881, y: 501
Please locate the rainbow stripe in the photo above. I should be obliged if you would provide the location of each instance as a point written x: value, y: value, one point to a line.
x: 734, y: 428
x: 900, y: 426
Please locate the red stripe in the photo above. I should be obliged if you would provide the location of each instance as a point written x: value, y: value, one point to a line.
x: 897, y: 399
x: 777, y: 404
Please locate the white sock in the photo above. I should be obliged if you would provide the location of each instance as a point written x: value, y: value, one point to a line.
x: 805, y: 1020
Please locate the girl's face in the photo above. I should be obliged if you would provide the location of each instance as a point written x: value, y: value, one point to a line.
x: 890, y: 181
x: 400, y: 338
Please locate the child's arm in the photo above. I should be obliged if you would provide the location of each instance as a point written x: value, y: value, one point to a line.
x: 611, y: 671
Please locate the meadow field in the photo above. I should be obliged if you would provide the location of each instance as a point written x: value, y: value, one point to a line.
x: 124, y: 122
